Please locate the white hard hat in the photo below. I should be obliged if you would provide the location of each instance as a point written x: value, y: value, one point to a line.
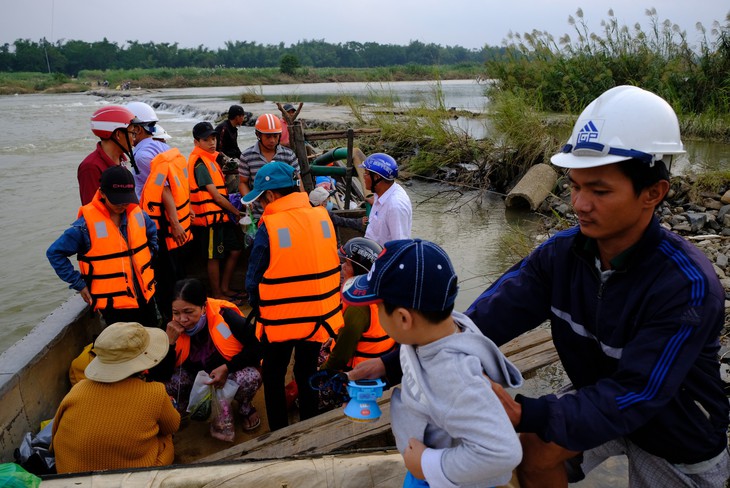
x: 143, y: 112
x: 623, y: 123
x: 158, y: 132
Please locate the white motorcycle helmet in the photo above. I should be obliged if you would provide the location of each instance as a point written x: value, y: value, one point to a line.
x: 145, y: 115
x: 625, y: 122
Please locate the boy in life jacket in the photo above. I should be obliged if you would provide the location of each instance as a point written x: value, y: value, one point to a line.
x: 293, y: 282
x: 114, y: 241
x: 212, y: 228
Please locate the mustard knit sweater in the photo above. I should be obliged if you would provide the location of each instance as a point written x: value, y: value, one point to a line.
x: 126, y: 424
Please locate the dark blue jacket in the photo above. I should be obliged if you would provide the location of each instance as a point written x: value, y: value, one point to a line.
x: 640, y: 348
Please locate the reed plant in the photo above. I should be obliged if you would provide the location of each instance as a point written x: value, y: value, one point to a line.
x: 565, y: 74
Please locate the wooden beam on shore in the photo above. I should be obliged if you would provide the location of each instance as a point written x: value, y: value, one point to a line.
x: 324, y: 135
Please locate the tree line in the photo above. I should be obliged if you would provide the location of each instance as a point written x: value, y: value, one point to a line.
x: 72, y: 56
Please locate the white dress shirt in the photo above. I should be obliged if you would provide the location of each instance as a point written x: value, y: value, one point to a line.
x: 391, y: 216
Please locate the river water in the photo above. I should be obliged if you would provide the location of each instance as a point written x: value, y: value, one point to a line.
x: 43, y: 138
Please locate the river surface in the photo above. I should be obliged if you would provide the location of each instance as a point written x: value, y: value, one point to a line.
x: 43, y: 138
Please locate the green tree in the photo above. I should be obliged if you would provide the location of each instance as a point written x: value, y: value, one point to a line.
x: 289, y: 64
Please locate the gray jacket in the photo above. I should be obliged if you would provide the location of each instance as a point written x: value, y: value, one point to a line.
x: 446, y: 402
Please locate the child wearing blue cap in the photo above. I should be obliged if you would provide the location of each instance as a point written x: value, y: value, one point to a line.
x: 448, y: 423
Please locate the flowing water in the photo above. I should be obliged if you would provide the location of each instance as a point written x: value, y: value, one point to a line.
x: 43, y: 138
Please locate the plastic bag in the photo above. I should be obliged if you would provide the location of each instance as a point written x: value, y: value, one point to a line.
x: 249, y: 227
x: 221, y: 425
x: 200, y: 397
x: 13, y: 476
x: 34, y: 452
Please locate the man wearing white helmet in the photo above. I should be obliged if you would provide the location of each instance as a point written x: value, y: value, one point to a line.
x: 145, y: 146
x: 635, y: 313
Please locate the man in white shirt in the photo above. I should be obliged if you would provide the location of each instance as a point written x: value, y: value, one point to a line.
x: 391, y: 215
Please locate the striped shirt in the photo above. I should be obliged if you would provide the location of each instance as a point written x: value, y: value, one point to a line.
x: 252, y: 160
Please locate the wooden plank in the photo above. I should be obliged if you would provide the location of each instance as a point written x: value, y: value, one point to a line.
x: 527, y: 340
x: 323, y: 434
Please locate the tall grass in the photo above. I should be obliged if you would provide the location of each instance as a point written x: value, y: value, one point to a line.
x: 564, y: 75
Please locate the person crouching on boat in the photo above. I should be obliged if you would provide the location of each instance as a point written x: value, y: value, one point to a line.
x: 114, y: 241
x: 212, y: 335
x: 115, y: 419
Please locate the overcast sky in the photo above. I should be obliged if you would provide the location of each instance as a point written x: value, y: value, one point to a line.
x: 467, y: 23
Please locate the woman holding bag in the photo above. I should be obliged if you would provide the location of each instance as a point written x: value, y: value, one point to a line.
x: 211, y: 335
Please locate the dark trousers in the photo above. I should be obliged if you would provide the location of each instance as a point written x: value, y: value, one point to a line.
x: 169, y: 268
x: 145, y: 314
x: 276, y: 357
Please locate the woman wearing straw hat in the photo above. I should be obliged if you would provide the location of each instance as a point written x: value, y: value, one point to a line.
x: 114, y: 419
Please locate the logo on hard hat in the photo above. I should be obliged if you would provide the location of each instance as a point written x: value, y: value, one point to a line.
x: 588, y: 133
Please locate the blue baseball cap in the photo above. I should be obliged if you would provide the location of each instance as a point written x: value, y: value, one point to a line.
x: 272, y: 176
x: 409, y: 273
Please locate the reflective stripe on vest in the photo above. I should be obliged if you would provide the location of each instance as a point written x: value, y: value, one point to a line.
x: 227, y: 345
x: 206, y: 211
x: 300, y: 290
x: 374, y: 342
x: 113, y: 264
x: 169, y: 166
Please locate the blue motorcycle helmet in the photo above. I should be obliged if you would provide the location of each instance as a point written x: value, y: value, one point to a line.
x: 381, y: 164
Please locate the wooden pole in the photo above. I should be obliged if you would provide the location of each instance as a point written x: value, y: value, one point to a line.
x: 296, y: 141
x: 348, y: 175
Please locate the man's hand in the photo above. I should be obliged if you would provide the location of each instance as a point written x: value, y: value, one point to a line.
x: 178, y: 233
x: 513, y: 409
x: 371, y: 369
x: 86, y: 295
x: 412, y: 457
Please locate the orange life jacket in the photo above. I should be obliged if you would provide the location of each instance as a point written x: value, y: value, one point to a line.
x: 114, y: 262
x: 218, y: 329
x: 300, y: 290
x: 171, y: 167
x: 206, y: 211
x: 374, y: 342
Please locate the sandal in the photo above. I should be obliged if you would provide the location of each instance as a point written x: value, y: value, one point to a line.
x: 256, y: 423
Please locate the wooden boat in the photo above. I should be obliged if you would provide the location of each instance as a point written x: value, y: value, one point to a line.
x: 34, y: 379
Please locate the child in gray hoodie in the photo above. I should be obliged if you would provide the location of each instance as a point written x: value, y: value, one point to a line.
x: 448, y: 423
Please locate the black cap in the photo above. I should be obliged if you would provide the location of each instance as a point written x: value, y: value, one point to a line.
x: 235, y: 111
x: 117, y: 184
x: 203, y: 130
x: 288, y: 107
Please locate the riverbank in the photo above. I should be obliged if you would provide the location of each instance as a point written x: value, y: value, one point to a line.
x: 20, y: 83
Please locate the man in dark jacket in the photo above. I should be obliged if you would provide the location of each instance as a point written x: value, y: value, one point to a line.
x: 228, y: 144
x: 635, y: 313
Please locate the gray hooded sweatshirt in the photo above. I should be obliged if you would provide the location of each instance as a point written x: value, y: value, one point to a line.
x: 446, y: 402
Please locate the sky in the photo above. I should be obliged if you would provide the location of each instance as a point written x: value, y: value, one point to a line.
x: 467, y: 23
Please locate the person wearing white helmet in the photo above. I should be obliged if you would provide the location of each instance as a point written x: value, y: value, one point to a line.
x: 145, y: 146
x: 160, y: 134
x: 635, y: 313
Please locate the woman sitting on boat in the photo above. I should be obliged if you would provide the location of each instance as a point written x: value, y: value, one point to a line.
x: 115, y: 419
x: 211, y: 335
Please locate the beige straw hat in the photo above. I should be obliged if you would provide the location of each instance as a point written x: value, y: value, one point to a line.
x: 125, y: 348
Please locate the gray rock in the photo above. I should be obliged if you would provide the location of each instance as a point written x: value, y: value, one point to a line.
x: 697, y: 220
